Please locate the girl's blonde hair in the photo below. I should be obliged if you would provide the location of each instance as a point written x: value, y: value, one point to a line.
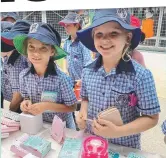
x: 126, y: 55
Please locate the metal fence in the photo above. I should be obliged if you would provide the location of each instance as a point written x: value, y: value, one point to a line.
x: 157, y: 42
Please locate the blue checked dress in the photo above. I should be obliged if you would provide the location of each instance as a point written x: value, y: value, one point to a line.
x: 54, y: 88
x: 78, y: 56
x: 113, y: 89
x: 12, y: 67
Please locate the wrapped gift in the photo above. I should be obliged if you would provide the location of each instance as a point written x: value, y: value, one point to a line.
x: 58, y: 129
x: 31, y: 124
x: 16, y: 146
x: 37, y: 146
x: 134, y: 155
x: 94, y: 147
x: 71, y: 148
x: 9, y: 122
x: 7, y: 129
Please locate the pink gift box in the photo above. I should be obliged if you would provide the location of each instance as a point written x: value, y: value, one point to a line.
x: 58, y: 129
x: 9, y: 122
x: 7, y: 129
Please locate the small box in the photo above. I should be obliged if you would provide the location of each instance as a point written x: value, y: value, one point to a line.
x: 31, y: 124
x: 37, y: 146
x: 58, y: 129
x: 71, y: 148
x: 16, y: 146
x: 94, y: 147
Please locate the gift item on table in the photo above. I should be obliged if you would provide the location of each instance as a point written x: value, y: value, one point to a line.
x: 16, y: 146
x: 4, y: 135
x: 7, y: 126
x: 134, y: 155
x: 10, y: 114
x: 29, y: 156
x: 10, y: 123
x: 113, y: 154
x: 93, y: 147
x: 18, y: 150
x: 71, y: 148
x: 31, y: 124
x: 7, y: 129
x: 37, y: 146
x: 111, y: 114
x: 58, y: 129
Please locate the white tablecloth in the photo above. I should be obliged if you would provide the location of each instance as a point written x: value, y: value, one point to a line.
x: 45, y: 133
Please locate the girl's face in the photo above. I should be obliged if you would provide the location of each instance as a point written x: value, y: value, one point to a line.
x: 10, y: 19
x: 110, y: 39
x: 71, y: 29
x: 38, y: 52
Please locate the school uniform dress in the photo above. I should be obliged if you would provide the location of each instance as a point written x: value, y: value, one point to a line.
x: 12, y: 67
x: 125, y: 84
x: 54, y: 86
x: 164, y: 127
x: 78, y: 56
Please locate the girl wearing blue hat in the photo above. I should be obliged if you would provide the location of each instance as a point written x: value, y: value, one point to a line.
x: 114, y: 79
x: 13, y: 63
x: 77, y: 54
x: 43, y: 86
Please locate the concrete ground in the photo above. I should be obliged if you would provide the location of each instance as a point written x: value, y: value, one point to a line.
x: 153, y: 139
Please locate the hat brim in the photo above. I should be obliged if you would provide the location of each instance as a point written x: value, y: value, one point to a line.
x: 19, y: 45
x: 63, y: 22
x: 7, y: 41
x: 4, y: 18
x: 11, y: 34
x: 85, y: 35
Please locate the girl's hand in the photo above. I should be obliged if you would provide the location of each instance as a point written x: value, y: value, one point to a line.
x: 25, y: 105
x: 78, y: 84
x: 37, y: 108
x: 81, y: 119
x: 105, y: 129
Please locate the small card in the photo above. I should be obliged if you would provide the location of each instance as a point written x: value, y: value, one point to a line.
x: 49, y: 96
x: 37, y: 146
x: 71, y: 148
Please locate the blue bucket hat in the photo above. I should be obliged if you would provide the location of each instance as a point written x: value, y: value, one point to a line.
x: 19, y: 28
x: 6, y: 26
x: 13, y: 15
x: 101, y: 16
x: 71, y: 18
x: 44, y: 33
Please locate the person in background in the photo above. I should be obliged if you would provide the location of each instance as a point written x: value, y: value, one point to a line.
x: 12, y: 65
x: 135, y: 54
x: 10, y: 16
x: 78, y: 55
x: 5, y: 27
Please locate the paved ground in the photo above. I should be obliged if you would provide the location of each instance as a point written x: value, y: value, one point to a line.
x: 153, y: 140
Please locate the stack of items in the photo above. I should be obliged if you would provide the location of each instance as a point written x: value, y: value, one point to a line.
x: 9, y: 123
x: 34, y: 145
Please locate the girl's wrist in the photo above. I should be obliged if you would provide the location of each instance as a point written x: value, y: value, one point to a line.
x: 26, y: 98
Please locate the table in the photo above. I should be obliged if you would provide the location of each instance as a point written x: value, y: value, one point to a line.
x: 45, y: 133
